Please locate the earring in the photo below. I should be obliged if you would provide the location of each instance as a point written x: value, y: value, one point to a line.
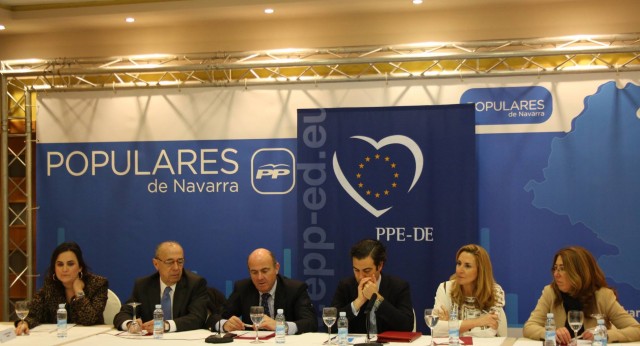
x: 54, y: 277
x: 80, y: 275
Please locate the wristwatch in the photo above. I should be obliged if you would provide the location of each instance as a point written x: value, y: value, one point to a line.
x: 377, y: 303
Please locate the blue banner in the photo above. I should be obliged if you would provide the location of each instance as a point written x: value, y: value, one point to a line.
x: 220, y: 199
x: 403, y: 175
x: 511, y: 105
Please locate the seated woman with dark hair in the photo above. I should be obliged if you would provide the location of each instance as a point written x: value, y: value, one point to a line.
x: 579, y: 284
x: 68, y: 281
x: 475, y: 296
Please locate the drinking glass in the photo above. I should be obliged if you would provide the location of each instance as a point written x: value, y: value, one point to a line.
x: 329, y: 316
x: 134, y: 326
x: 575, y: 318
x: 257, y: 314
x: 22, y: 310
x: 431, y: 319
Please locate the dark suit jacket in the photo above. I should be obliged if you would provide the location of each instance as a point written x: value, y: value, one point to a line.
x: 216, y: 301
x: 291, y: 296
x: 395, y: 313
x: 189, y: 301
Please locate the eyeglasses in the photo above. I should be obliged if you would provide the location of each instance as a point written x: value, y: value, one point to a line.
x: 171, y: 262
x: 558, y: 268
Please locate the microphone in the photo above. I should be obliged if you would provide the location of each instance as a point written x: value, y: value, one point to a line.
x: 219, y: 338
x: 367, y: 312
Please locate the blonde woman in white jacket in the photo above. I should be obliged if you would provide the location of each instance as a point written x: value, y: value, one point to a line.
x: 473, y: 292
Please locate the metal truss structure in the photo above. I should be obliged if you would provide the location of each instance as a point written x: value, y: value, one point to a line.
x: 423, y: 61
x: 288, y: 66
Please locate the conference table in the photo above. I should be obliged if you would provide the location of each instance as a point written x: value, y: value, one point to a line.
x: 103, y: 335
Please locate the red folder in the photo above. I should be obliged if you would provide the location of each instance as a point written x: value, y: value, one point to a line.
x: 391, y: 336
x: 262, y: 335
x: 467, y: 340
x: 464, y: 340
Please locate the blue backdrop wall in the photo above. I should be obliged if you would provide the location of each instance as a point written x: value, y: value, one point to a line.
x: 555, y: 165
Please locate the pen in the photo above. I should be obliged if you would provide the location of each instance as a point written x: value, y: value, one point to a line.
x: 333, y: 338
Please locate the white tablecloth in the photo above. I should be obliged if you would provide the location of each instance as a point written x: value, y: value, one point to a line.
x: 105, y: 335
x: 46, y: 334
x: 197, y: 336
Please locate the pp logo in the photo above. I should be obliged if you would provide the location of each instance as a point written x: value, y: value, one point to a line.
x: 272, y: 171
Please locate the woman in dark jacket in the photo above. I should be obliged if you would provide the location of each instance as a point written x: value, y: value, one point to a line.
x: 68, y: 281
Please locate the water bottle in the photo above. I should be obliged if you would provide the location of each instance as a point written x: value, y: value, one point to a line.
x: 280, y: 328
x: 158, y: 322
x: 62, y: 321
x: 600, y: 334
x: 343, y: 329
x: 454, y: 327
x: 550, y: 331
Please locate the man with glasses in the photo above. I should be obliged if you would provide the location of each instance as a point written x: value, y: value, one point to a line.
x: 182, y: 294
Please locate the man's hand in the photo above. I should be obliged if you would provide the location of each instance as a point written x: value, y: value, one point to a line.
x: 268, y: 323
x: 360, y: 299
x: 232, y: 324
x: 148, y: 326
x: 369, y: 287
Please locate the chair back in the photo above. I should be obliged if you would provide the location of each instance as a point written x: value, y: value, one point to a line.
x: 112, y: 307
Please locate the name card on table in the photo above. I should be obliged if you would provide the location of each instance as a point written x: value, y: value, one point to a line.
x: 7, y: 334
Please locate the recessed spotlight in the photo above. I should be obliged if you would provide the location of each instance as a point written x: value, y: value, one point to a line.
x: 129, y: 19
x: 2, y: 27
x: 417, y: 2
x: 269, y: 10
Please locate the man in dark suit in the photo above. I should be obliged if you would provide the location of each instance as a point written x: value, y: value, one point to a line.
x: 273, y: 291
x: 392, y: 308
x: 182, y: 294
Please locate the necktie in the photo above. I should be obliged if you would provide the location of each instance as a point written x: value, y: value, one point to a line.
x: 373, y: 327
x: 265, y: 304
x: 166, y: 303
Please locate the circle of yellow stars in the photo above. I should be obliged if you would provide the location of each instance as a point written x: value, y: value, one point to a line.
x: 360, y: 174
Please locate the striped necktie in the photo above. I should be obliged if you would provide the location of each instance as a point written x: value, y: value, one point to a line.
x: 265, y: 304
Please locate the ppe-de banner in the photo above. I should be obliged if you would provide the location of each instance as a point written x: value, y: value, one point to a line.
x: 403, y: 175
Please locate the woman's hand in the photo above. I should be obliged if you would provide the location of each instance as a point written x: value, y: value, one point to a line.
x: 22, y: 328
x: 587, y: 335
x: 443, y: 313
x: 488, y: 320
x: 563, y: 336
x: 78, y: 285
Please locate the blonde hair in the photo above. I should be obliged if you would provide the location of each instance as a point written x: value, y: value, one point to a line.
x: 484, y: 290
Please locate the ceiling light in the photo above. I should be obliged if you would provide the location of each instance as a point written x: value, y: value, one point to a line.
x: 417, y: 2
x: 2, y: 27
x: 130, y: 20
x: 268, y: 10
